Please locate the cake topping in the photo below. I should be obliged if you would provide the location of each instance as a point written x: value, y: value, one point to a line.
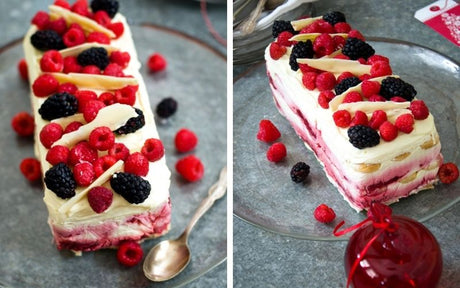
x: 52, y: 61
x: 392, y: 86
x: 346, y: 83
x: 334, y: 17
x: 277, y: 50
x: 84, y: 173
x: 101, y: 138
x: 299, y: 172
x: 58, y: 154
x: 100, y: 198
x: 58, y: 105
x: 419, y: 109
x: 356, y: 48
x: 167, y: 107
x: 153, y: 149
x: 103, y: 163
x: 45, y: 85
x: 133, y: 124
x: 300, y: 50
x: 363, y: 136
x: 46, y: 40
x: 94, y: 56
x: 59, y: 179
x: 119, y: 151
x: 280, y: 26
x: 30, y: 168
x: 109, y: 6
x: 324, y: 214
x: 405, y: 123
x: 388, y: 131
x: 131, y: 187
x: 342, y: 118
x: 82, y: 152
x: 50, y: 133
x: 137, y: 164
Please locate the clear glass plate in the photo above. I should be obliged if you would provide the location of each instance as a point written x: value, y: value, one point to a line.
x: 196, y: 77
x: 264, y: 194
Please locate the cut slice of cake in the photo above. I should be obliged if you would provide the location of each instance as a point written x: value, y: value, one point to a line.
x: 376, y: 141
x: 105, y: 174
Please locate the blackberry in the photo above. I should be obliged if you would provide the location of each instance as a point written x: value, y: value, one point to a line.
x: 300, y: 50
x: 362, y: 136
x: 94, y: 56
x: 345, y: 84
x: 130, y: 186
x: 59, y: 179
x: 167, y: 107
x: 299, y: 172
x: 392, y: 86
x: 109, y: 6
x: 47, y: 40
x: 356, y: 48
x: 280, y: 26
x: 133, y: 124
x: 59, y: 105
x: 334, y: 17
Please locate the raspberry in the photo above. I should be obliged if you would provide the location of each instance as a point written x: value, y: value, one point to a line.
x: 81, y: 7
x: 41, y: 19
x: 91, y: 69
x: 102, y: 164
x: 362, y: 61
x: 277, y: 50
x: 324, y: 214
x: 276, y: 152
x: 267, y: 131
x: 107, y: 98
x: 309, y: 80
x: 137, y: 164
x: 114, y: 69
x: 405, y: 123
x: 342, y: 27
x: 120, y: 58
x: 325, y: 81
x: 153, y: 149
x: 102, y: 18
x: 397, y: 99
x: 59, y: 25
x: 82, y: 152
x: 324, y: 27
x: 360, y: 118
x: 166, y: 108
x: 185, y: 140
x: 156, y: 62
x: 22, y: 68
x: 324, y: 98
x: 52, y: 61
x: 45, y: 85
x: 339, y: 42
x: 129, y: 253
x: 120, y: 152
x: 388, y: 131
x: 73, y: 37
x: 98, y: 37
x: 62, y: 3
x: 376, y: 98
x: 369, y: 88
x: 72, y: 126
x: 100, y: 198
x: 283, y: 39
x: 344, y: 75
x: 299, y: 172
x: 380, y: 68
x: 23, y: 124
x: 448, y: 173
x: 101, y: 138
x: 117, y: 28
x: 83, y: 97
x: 356, y: 34
x: 71, y: 65
x: 58, y: 154
x: 190, y: 167
x: 91, y: 109
x: 342, y: 118
x: 352, y: 97
x: 365, y: 77
x: 341, y: 56
x: 126, y: 95
x: 377, y: 118
x: 305, y: 68
x: 67, y: 87
x: 50, y: 133
x: 30, y: 168
x: 77, y: 26
x: 83, y: 173
x: 374, y: 58
x: 419, y: 109
x: 323, y: 45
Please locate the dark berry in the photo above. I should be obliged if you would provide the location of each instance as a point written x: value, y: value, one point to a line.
x: 334, y: 17
x: 356, y: 48
x: 345, y: 84
x: 280, y: 26
x: 300, y: 50
x: 94, y: 56
x: 59, y: 105
x: 299, y: 172
x: 167, y: 107
x: 46, y: 40
x: 362, y: 136
x: 109, y: 6
x: 59, y: 179
x: 392, y: 86
x: 133, y: 124
x: 131, y: 187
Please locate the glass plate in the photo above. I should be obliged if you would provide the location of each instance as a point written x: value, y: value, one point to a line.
x: 30, y: 259
x: 265, y: 196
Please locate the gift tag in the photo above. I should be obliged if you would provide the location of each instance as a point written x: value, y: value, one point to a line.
x: 442, y: 16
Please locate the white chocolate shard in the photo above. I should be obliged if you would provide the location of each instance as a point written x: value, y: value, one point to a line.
x: 301, y: 23
x: 313, y: 36
x: 102, y: 82
x: 336, y: 65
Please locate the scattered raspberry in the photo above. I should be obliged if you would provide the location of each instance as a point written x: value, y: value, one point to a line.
x: 388, y: 131
x: 41, y: 19
x: 83, y: 173
x: 83, y: 97
x: 153, y: 149
x: 91, y: 69
x: 376, y: 98
x: 356, y: 34
x: 276, y: 152
x: 374, y: 58
x: 325, y: 81
x: 448, y: 173
x: 377, y: 118
x: 82, y: 152
x: 324, y: 98
x: 67, y: 87
x: 50, y: 133
x: 23, y: 124
x: 107, y: 98
x: 360, y: 118
x: 405, y: 123
x: 283, y: 38
x: 342, y: 27
x: 190, y: 167
x: 22, y: 68
x: 102, y: 18
x: 102, y: 164
x: 129, y: 253
x: 113, y: 69
x: 52, y: 61
x: 342, y: 118
x: 71, y: 65
x: 45, y: 85
x: 380, y: 68
x: 185, y: 140
x: 419, y: 109
x: 323, y: 45
x: 267, y: 131
x: 59, y: 25
x: 277, y: 51
x: 397, y: 99
x: 339, y: 42
x: 119, y: 151
x: 309, y: 80
x: 100, y: 198
x: 101, y: 138
x: 72, y: 126
x: 31, y: 169
x: 344, y: 75
x: 62, y: 3
x: 116, y: 28
x: 120, y: 58
x: 126, y: 95
x: 137, y: 164
x: 352, y: 97
x: 156, y: 62
x: 324, y: 214
x: 73, y: 37
x: 58, y: 154
x: 369, y: 88
x: 98, y: 37
x: 91, y: 109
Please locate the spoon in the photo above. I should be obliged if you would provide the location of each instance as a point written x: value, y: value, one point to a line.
x: 169, y: 257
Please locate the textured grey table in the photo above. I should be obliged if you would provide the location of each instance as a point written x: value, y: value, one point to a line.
x: 265, y: 259
x: 180, y: 15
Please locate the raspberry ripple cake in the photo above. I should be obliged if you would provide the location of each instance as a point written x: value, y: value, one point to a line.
x: 105, y: 174
x: 375, y: 140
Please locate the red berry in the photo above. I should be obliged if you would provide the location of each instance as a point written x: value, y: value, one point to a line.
x: 23, y: 124
x: 339, y: 42
x: 277, y: 50
x: 364, y: 77
x: 59, y: 25
x: 114, y: 69
x: 30, y: 168
x: 137, y: 164
x: 72, y: 126
x: 360, y: 118
x: 129, y: 253
x: 342, y: 118
x: 341, y: 56
x: 342, y: 27
x: 83, y: 173
x: 369, y: 88
x: 305, y: 68
x: 375, y: 58
x: 52, y: 61
x: 67, y: 87
x: 344, y: 75
x: 100, y: 198
x: 81, y: 7
x: 324, y: 98
x: 267, y: 131
x: 324, y: 214
x: 315, y: 27
x: 120, y: 58
x: 323, y: 45
x: 41, y: 19
x: 309, y: 80
x: 107, y: 98
x: 102, y: 18
x: 324, y: 27
x: 117, y: 28
x: 283, y: 38
x: 91, y: 109
x: 45, y: 85
x: 185, y: 140
x: 377, y: 98
x: 73, y: 37
x: 102, y: 164
x: 91, y: 69
x: 82, y: 152
x: 71, y: 65
x: 388, y: 131
x: 419, y: 109
x: 190, y: 167
x: 119, y: 151
x: 276, y: 152
x: 22, y: 68
x: 362, y: 61
x: 101, y: 138
x: 377, y: 118
x: 50, y: 133
x: 156, y: 62
x: 77, y: 26
x: 98, y: 37
x: 405, y: 123
x: 325, y: 81
x: 62, y: 3
x: 83, y: 97
x: 58, y: 154
x: 126, y: 95
x: 380, y: 68
x: 356, y: 34
x: 352, y: 97
x: 397, y: 99
x: 153, y: 149
x: 448, y: 173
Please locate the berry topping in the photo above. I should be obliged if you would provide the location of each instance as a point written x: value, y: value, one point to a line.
x: 59, y: 179
x: 91, y: 69
x: 360, y: 118
x: 133, y: 124
x: 41, y: 19
x: 94, y: 56
x: 300, y: 50
x: 120, y: 58
x: 344, y: 75
x: 62, y: 3
x: 45, y: 85
x: 325, y: 81
x: 419, y: 109
x: 185, y: 140
x: 369, y: 88
x: 50, y: 133
x: 81, y: 7
x: 72, y: 126
x: 361, y: 136
x: 309, y: 80
x: 324, y: 98
x: 167, y: 107
x: 119, y: 151
x: 102, y: 18
x: 156, y: 62
x: 83, y: 97
x: 346, y: 83
x: 101, y: 138
x: 397, y: 99
x: 109, y: 6
x: 323, y: 45
x: 103, y: 163
x: 377, y: 118
x: 277, y: 50
x: 405, y: 123
x: 131, y: 187
x: 324, y: 214
x: 67, y: 87
x: 22, y: 68
x: 374, y: 58
x: 98, y: 37
x: 342, y: 27
x: 376, y: 98
x: 126, y: 95
x: 71, y: 65
x: 356, y: 34
x: 392, y: 86
x: 83, y: 173
x: 388, y: 131
x: 448, y: 173
x: 129, y: 253
x: 58, y: 154
x: 191, y: 168
x: 73, y: 37
x: 107, y: 98
x: 267, y: 131
x: 137, y: 164
x: 23, y: 124
x: 30, y: 168
x: 352, y: 97
x: 299, y: 172
x: 153, y: 149
x: 276, y: 152
x: 380, y: 68
x: 100, y: 198
x: 82, y: 152
x: 356, y: 48
x: 283, y: 38
x: 91, y: 108
x: 342, y: 118
x: 334, y: 17
x: 59, y: 25
x: 46, y: 40
x: 58, y: 105
x: 116, y: 28
x: 280, y: 26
